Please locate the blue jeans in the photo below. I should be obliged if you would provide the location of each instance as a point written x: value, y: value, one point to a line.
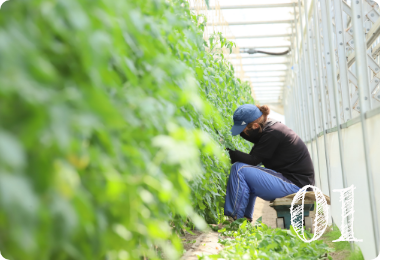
x: 246, y: 182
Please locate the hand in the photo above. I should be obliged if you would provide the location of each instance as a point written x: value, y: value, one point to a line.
x: 229, y: 150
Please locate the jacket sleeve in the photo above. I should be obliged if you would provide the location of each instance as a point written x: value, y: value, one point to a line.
x: 266, y: 146
x: 238, y: 156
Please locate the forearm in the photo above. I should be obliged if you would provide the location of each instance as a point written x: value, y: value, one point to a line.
x: 238, y: 156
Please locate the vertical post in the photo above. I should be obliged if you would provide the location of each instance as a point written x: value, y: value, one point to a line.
x: 291, y: 95
x: 309, y: 72
x: 325, y: 9
x: 295, y: 92
x: 326, y: 12
x: 292, y: 91
x: 310, y: 58
x: 301, y: 80
x: 363, y: 85
x: 342, y: 59
x: 330, y: 76
x: 322, y: 89
x: 298, y: 103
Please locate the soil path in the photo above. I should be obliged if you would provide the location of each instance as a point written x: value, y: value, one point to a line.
x: 207, y: 243
x: 262, y: 209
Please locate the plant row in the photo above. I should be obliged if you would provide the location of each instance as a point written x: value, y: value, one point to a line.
x: 113, y: 120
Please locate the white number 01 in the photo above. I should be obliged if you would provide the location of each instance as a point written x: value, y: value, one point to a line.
x: 321, y: 217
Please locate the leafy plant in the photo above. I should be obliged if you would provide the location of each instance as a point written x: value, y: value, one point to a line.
x: 114, y: 116
x: 342, y: 248
x: 245, y: 241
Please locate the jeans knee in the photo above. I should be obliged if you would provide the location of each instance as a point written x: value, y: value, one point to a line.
x: 236, y: 166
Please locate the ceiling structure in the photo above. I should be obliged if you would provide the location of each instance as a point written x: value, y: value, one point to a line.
x: 264, y: 25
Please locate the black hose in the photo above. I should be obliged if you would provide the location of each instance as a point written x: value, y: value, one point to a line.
x: 253, y: 51
x: 275, y: 53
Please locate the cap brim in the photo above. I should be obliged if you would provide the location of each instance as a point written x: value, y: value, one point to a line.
x: 237, y: 129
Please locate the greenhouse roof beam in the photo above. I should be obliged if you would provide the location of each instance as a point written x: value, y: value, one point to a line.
x: 265, y: 47
x: 280, y: 86
x: 254, y: 22
x: 269, y: 99
x: 261, y: 64
x: 276, y: 95
x: 263, y: 36
x: 269, y: 103
x: 275, y: 99
x: 255, y: 71
x: 268, y: 88
x: 253, y: 6
x: 267, y: 94
x: 268, y: 76
x: 275, y: 85
x: 260, y: 56
x: 272, y: 81
x: 269, y: 91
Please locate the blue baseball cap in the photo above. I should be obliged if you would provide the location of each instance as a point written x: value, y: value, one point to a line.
x: 244, y: 115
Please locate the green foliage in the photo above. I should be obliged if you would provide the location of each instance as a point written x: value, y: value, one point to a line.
x: 356, y: 254
x: 114, y: 116
x: 333, y: 234
x: 244, y: 241
x: 224, y: 93
x: 342, y: 247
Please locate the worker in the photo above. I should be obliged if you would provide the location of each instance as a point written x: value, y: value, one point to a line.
x: 288, y: 165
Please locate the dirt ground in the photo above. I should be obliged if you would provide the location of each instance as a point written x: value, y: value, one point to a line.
x: 205, y: 244
x: 340, y: 255
x: 188, y: 239
x: 262, y: 209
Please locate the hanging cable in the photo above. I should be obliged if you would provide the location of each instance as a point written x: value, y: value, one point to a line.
x: 253, y: 51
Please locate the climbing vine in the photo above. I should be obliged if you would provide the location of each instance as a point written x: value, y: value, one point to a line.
x: 113, y: 120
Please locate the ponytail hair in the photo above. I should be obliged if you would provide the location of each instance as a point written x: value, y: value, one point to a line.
x: 265, y: 110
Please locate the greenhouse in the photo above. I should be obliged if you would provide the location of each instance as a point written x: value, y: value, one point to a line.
x: 189, y: 129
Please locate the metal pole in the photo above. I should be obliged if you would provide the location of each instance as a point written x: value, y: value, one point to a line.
x: 326, y: 12
x: 296, y: 101
x: 342, y: 59
x: 322, y: 90
x: 363, y: 84
x: 299, y: 83
x: 298, y: 106
x: 329, y: 73
x: 310, y: 62
x: 325, y: 7
x: 294, y: 90
x: 309, y: 72
x: 291, y: 92
x: 300, y: 93
x: 289, y: 109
